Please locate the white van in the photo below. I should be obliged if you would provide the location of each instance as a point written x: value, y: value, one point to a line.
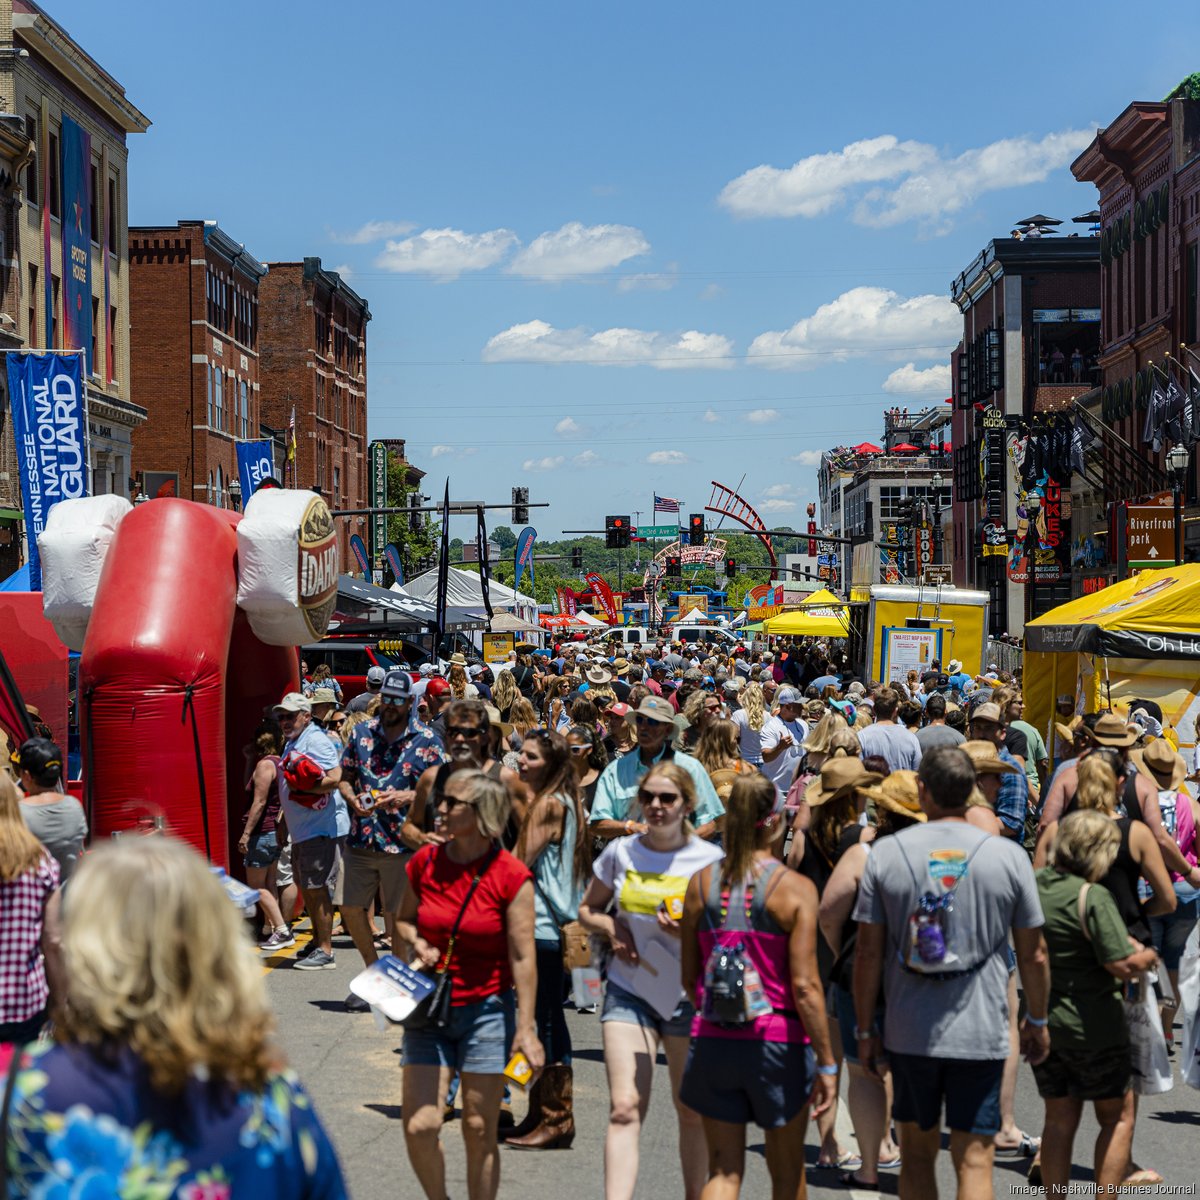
x: 714, y: 635
x: 629, y: 636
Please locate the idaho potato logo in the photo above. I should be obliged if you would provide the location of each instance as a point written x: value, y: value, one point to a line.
x: 317, y: 577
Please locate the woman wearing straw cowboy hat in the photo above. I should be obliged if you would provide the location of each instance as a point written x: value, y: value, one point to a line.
x: 896, y: 807
x: 1180, y: 817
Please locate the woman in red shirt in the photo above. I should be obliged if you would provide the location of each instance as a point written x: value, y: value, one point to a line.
x: 493, y: 975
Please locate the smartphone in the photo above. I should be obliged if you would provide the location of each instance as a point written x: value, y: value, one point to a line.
x: 519, y: 1070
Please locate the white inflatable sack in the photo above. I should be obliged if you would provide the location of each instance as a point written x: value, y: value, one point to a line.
x: 73, y: 547
x: 287, y: 566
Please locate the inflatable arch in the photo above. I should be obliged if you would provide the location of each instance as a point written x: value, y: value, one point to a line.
x: 187, y: 619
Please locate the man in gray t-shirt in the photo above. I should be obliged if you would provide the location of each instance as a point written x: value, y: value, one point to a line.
x: 945, y: 1032
x: 890, y: 741
x: 937, y: 732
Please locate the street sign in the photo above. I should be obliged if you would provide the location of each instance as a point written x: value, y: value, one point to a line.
x: 1150, y: 533
x: 656, y: 531
x: 379, y: 464
x: 937, y: 573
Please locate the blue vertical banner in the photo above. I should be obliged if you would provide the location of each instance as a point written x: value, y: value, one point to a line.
x: 360, y: 552
x: 77, y: 240
x: 523, y: 556
x: 255, y: 463
x: 49, y: 430
x: 392, y: 553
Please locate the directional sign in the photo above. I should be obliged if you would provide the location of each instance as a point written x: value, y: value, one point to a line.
x: 1150, y: 533
x: 656, y: 531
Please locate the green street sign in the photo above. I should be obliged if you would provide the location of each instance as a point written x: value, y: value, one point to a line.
x: 656, y: 531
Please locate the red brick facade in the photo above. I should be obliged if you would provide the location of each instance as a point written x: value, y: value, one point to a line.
x: 313, y: 345
x: 195, y: 363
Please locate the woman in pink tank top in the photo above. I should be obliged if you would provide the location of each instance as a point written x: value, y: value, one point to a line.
x: 760, y: 1040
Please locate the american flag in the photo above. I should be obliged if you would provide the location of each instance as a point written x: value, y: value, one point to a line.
x: 665, y: 504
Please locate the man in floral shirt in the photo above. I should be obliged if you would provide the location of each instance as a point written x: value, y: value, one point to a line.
x: 380, y: 768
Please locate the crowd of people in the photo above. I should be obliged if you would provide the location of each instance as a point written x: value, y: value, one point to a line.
x: 784, y: 872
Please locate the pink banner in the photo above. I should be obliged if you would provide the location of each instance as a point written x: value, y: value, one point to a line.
x: 603, y: 593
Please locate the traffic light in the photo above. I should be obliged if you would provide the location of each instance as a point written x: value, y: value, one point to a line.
x: 696, y: 529
x: 520, y: 506
x: 674, y: 567
x: 616, y: 532
x: 730, y: 568
x: 577, y: 558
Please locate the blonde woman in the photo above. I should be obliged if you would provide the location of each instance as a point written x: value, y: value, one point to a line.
x: 504, y: 693
x: 818, y: 742
x: 750, y: 719
x: 179, y: 1084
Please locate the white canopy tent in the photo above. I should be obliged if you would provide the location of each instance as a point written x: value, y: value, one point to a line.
x: 464, y: 590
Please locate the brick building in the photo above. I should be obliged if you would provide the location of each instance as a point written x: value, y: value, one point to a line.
x: 194, y: 295
x: 1031, y: 337
x: 46, y: 78
x: 1146, y: 167
x: 313, y: 363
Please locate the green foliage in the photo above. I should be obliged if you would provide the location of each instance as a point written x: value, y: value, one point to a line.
x: 1188, y: 88
x: 416, y: 541
x: 503, y: 537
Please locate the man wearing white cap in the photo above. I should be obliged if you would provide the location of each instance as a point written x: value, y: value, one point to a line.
x: 374, y: 683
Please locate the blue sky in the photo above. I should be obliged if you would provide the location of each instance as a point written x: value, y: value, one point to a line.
x: 633, y: 247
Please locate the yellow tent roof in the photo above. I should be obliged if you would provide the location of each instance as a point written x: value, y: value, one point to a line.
x: 1155, y: 614
x: 822, y: 598
x: 807, y: 624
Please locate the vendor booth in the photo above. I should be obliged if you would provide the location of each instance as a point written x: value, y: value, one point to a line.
x: 1138, y: 639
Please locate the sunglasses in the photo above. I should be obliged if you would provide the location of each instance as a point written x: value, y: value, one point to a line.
x: 466, y: 731
x: 665, y: 799
x: 644, y: 721
x: 453, y: 802
x: 584, y: 749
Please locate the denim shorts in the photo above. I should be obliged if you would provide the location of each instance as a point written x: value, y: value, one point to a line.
x: 263, y: 851
x: 741, y: 1080
x: 627, y: 1009
x: 1170, y: 932
x: 478, y: 1040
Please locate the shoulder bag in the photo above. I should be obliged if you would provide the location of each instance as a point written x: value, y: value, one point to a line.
x: 572, y: 937
x: 434, y: 1010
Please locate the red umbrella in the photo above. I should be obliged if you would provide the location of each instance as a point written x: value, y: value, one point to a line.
x: 866, y: 448
x: 905, y: 448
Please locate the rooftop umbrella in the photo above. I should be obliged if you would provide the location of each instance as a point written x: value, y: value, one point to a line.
x: 1039, y: 219
x: 1087, y: 218
x: 866, y: 448
x: 905, y: 448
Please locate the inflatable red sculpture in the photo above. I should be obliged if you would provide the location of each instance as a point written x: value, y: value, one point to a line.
x: 187, y: 618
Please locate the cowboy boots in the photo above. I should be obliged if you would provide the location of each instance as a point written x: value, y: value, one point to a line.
x: 532, y: 1118
x: 556, y: 1130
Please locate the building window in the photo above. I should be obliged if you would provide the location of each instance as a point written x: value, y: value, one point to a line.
x: 337, y: 487
x: 93, y: 365
x: 54, y: 190
x: 321, y: 397
x: 208, y: 371
x: 93, y: 200
x: 111, y: 214
x: 112, y: 344
x: 33, y: 306
x: 218, y: 398
x: 54, y: 290
x: 31, y: 168
x: 245, y: 410
x: 1191, y: 327
x: 890, y: 500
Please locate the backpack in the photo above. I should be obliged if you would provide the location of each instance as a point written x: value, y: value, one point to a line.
x: 733, y: 990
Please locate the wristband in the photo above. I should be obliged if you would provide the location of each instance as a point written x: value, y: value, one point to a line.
x: 1037, y: 1022
x: 628, y: 826
x: 832, y: 1069
x: 859, y: 1034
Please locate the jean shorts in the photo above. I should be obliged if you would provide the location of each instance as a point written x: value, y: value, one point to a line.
x: 627, y: 1009
x: 263, y: 851
x: 741, y: 1080
x: 1170, y: 933
x: 478, y: 1040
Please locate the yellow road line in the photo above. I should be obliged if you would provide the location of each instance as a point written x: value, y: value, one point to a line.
x: 288, y: 953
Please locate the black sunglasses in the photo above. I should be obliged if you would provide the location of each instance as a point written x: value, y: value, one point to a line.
x: 467, y: 731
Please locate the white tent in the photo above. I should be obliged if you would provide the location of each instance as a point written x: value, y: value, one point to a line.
x: 463, y: 590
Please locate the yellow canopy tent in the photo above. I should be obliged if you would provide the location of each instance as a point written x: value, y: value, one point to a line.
x: 819, y: 622
x: 1138, y: 639
x: 822, y: 598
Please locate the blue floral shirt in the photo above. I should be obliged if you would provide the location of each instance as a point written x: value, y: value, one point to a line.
x: 85, y: 1127
x: 370, y: 760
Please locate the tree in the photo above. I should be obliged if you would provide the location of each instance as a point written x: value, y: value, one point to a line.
x: 503, y: 537
x: 414, y: 536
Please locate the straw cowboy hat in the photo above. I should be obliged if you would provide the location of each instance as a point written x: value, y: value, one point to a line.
x: 1073, y: 729
x: 986, y: 761
x: 838, y: 778
x: 898, y: 794
x: 458, y: 659
x: 494, y: 719
x: 598, y: 675
x: 1111, y: 730
x: 621, y: 666
x: 1163, y: 764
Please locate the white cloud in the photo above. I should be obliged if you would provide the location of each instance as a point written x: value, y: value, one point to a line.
x: 776, y: 506
x: 711, y: 291
x: 808, y: 458
x: 929, y: 188
x: 539, y: 342
x: 762, y: 416
x: 568, y: 427
x: 439, y: 451
x: 543, y: 464
x: 651, y: 281
x: 864, y: 320
x: 345, y: 270
x: 814, y: 185
x: 666, y: 458
x: 446, y: 253
x: 908, y: 381
x: 710, y: 417
x: 589, y: 458
x: 578, y: 249
x: 373, y: 231
x: 779, y: 489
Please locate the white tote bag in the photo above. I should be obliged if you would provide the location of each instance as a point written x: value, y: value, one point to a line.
x: 1147, y: 1046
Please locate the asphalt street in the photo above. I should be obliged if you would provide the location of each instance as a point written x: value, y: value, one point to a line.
x: 352, y: 1070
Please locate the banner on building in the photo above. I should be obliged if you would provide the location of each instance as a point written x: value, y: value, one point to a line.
x: 360, y: 554
x: 49, y: 431
x: 255, y: 463
x: 523, y: 556
x: 603, y: 593
x: 77, y: 240
x: 378, y: 455
x: 392, y: 553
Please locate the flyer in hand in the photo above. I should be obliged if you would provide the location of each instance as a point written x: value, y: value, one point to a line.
x: 392, y: 986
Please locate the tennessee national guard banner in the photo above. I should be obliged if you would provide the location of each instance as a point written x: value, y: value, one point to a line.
x: 255, y: 463
x: 49, y: 430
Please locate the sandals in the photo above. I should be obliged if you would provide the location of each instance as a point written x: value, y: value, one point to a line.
x: 846, y: 1179
x: 1142, y: 1177
x: 846, y: 1161
x: 1027, y: 1147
